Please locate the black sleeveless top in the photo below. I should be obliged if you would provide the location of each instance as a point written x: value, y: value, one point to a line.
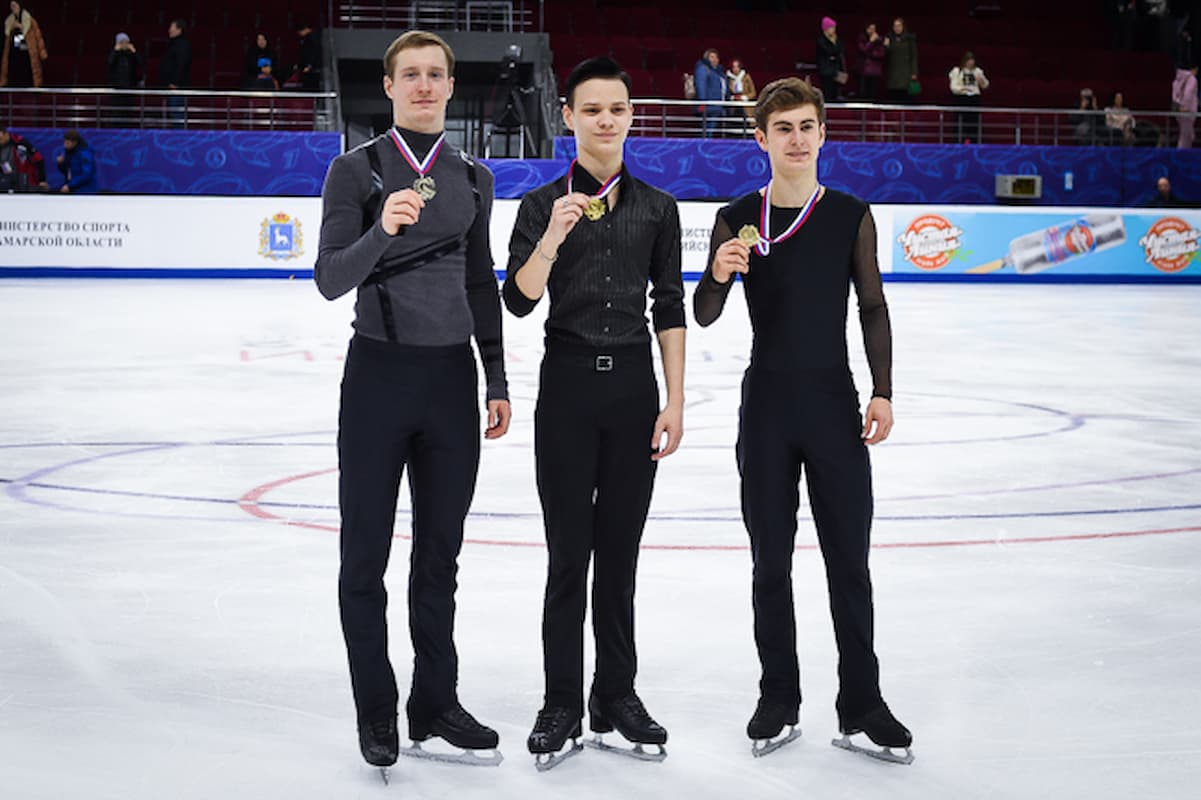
x: 797, y: 295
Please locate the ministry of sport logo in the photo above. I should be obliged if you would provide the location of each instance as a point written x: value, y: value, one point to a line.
x: 1171, y: 244
x: 930, y: 241
x: 281, y: 238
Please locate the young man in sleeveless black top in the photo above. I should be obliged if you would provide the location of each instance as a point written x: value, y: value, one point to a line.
x: 798, y: 247
x: 405, y: 223
x: 593, y: 239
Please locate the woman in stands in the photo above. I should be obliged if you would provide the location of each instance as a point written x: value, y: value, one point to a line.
x: 900, y: 63
x: 24, y: 49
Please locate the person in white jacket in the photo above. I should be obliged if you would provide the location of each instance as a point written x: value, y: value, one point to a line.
x: 967, y: 82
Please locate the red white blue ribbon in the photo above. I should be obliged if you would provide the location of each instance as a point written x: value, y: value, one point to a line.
x: 765, y: 238
x: 605, y: 188
x: 419, y: 166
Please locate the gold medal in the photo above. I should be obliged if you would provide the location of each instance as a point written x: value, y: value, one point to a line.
x: 749, y: 235
x: 425, y: 187
x: 596, y: 208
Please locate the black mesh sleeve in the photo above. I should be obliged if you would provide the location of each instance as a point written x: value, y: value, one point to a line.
x: 873, y: 309
x: 710, y: 296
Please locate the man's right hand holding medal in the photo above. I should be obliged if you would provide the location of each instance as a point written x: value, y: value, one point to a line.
x: 734, y: 255
x: 564, y: 215
x: 400, y: 209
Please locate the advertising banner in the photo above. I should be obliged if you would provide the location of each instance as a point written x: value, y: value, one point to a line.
x: 1066, y: 242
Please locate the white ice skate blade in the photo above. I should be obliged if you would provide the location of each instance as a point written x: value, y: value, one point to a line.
x: 473, y: 758
x: 385, y: 775
x: 762, y: 747
x: 888, y: 754
x: 548, y: 761
x: 637, y: 751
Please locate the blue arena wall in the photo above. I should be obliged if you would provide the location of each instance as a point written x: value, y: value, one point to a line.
x: 281, y: 164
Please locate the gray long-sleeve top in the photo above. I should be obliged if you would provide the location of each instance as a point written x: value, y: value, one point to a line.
x: 441, y: 303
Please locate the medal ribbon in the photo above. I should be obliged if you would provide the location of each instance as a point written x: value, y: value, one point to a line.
x: 605, y: 188
x: 423, y: 166
x: 765, y: 239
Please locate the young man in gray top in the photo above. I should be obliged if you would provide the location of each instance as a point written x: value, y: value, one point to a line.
x: 405, y: 222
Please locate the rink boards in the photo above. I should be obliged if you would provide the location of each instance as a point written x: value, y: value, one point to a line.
x: 157, y: 236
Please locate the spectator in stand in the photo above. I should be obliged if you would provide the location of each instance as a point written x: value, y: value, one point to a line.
x: 1086, y: 121
x: 306, y: 72
x: 22, y: 168
x: 1184, y: 101
x: 967, y: 82
x: 253, y: 66
x: 831, y: 61
x: 175, y: 71
x: 265, y: 80
x: 124, y: 64
x: 871, y: 63
x: 124, y: 72
x: 710, y: 86
x: 740, y: 87
x: 900, y: 63
x: 1163, y: 197
x: 77, y: 164
x: 24, y: 49
x: 1119, y: 122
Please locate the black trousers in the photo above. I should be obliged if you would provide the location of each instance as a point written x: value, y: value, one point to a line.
x: 810, y: 420
x: 592, y: 440
x: 415, y: 407
x: 968, y: 121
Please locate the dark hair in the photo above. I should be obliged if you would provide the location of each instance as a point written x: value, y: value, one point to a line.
x: 72, y: 135
x: 589, y: 69
x: 968, y: 56
x: 785, y: 94
x: 179, y: 23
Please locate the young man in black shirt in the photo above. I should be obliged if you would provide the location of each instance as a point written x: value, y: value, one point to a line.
x: 593, y: 239
x: 799, y: 246
x: 405, y: 223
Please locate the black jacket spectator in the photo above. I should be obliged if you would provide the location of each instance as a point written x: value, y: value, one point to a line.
x: 258, y: 49
x: 124, y: 64
x: 176, y: 69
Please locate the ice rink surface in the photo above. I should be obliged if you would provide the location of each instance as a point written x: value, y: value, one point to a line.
x: 168, y: 557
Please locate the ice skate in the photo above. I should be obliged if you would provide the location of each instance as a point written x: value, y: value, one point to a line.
x: 379, y: 743
x: 767, y: 724
x: 554, y: 726
x: 884, y: 730
x: 629, y: 717
x: 458, y: 728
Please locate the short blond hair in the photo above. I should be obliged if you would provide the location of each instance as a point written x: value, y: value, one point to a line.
x: 410, y: 40
x: 785, y: 94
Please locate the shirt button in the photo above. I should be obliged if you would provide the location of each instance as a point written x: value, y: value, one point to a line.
x: 608, y: 278
x: 606, y: 329
x: 608, y: 304
x: 608, y: 252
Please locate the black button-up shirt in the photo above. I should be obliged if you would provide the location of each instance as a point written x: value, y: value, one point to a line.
x: 598, y: 284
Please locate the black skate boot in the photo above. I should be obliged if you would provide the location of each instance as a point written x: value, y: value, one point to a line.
x: 630, y: 718
x: 456, y: 727
x: 883, y: 729
x: 768, y: 722
x: 554, y: 726
x: 379, y: 743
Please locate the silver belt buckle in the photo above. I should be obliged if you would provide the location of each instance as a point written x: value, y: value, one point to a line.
x: 604, y: 363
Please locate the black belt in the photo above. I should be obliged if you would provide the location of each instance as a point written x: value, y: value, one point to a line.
x: 598, y: 359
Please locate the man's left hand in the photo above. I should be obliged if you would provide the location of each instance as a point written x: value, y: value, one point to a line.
x: 879, y: 414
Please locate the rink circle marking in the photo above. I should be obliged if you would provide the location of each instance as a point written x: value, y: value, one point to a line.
x: 251, y: 502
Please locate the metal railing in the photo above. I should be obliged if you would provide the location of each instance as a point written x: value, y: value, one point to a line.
x: 161, y: 108
x: 931, y: 124
x: 460, y: 15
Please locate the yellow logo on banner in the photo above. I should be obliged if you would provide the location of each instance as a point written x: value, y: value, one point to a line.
x: 281, y: 238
